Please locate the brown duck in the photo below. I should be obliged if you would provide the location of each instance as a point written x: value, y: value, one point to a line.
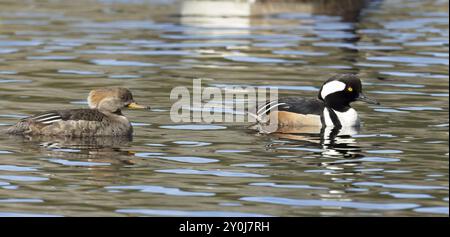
x: 104, y: 118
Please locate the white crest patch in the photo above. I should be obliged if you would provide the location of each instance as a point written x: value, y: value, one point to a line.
x: 331, y: 87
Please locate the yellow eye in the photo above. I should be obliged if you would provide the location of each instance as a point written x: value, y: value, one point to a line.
x: 350, y: 89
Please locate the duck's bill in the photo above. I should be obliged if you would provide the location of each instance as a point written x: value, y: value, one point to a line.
x: 366, y: 99
x: 135, y: 105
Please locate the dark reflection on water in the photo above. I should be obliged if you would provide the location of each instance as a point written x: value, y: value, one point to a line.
x: 53, y: 53
x: 82, y: 151
x: 329, y: 142
x: 88, y: 143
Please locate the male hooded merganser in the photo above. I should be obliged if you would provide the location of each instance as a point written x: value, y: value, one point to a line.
x: 104, y: 118
x: 330, y: 109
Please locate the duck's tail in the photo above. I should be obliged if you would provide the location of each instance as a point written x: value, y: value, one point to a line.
x: 18, y: 129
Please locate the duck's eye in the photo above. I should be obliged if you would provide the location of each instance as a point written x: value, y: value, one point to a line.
x: 349, y: 89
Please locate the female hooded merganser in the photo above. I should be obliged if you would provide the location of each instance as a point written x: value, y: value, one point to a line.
x: 104, y: 118
x: 331, y: 109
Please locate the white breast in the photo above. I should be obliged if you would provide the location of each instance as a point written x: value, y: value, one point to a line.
x: 348, y: 118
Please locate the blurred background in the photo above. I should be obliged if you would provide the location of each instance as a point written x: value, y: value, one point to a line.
x: 52, y: 53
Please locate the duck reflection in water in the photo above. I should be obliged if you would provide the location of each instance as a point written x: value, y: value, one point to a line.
x: 76, y: 146
x: 334, y: 143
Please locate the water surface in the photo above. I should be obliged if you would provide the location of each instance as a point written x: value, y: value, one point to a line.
x: 52, y: 54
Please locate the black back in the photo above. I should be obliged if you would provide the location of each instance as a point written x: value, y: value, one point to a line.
x: 301, y: 105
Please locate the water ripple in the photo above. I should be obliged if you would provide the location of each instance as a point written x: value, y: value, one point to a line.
x: 401, y: 186
x: 219, y: 173
x: 51, y: 57
x: 410, y: 59
x: 114, y: 62
x: 330, y: 203
x: 142, y: 52
x: 414, y: 74
x: 194, y: 127
x: 78, y: 163
x: 295, y: 186
x: 24, y: 214
x: 8, y: 51
x: 192, y: 143
x: 19, y: 43
x: 79, y: 72
x: 21, y: 200
x: 186, y: 159
x: 160, y: 189
x: 302, y: 53
x: 384, y: 151
x: 162, y: 212
x: 408, y: 195
x: 16, y: 168
x: 433, y: 210
x: 23, y: 178
x: 249, y: 59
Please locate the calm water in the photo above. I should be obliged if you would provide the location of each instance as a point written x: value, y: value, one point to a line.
x: 51, y: 55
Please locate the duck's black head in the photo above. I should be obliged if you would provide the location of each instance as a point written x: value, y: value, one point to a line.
x: 341, y: 90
